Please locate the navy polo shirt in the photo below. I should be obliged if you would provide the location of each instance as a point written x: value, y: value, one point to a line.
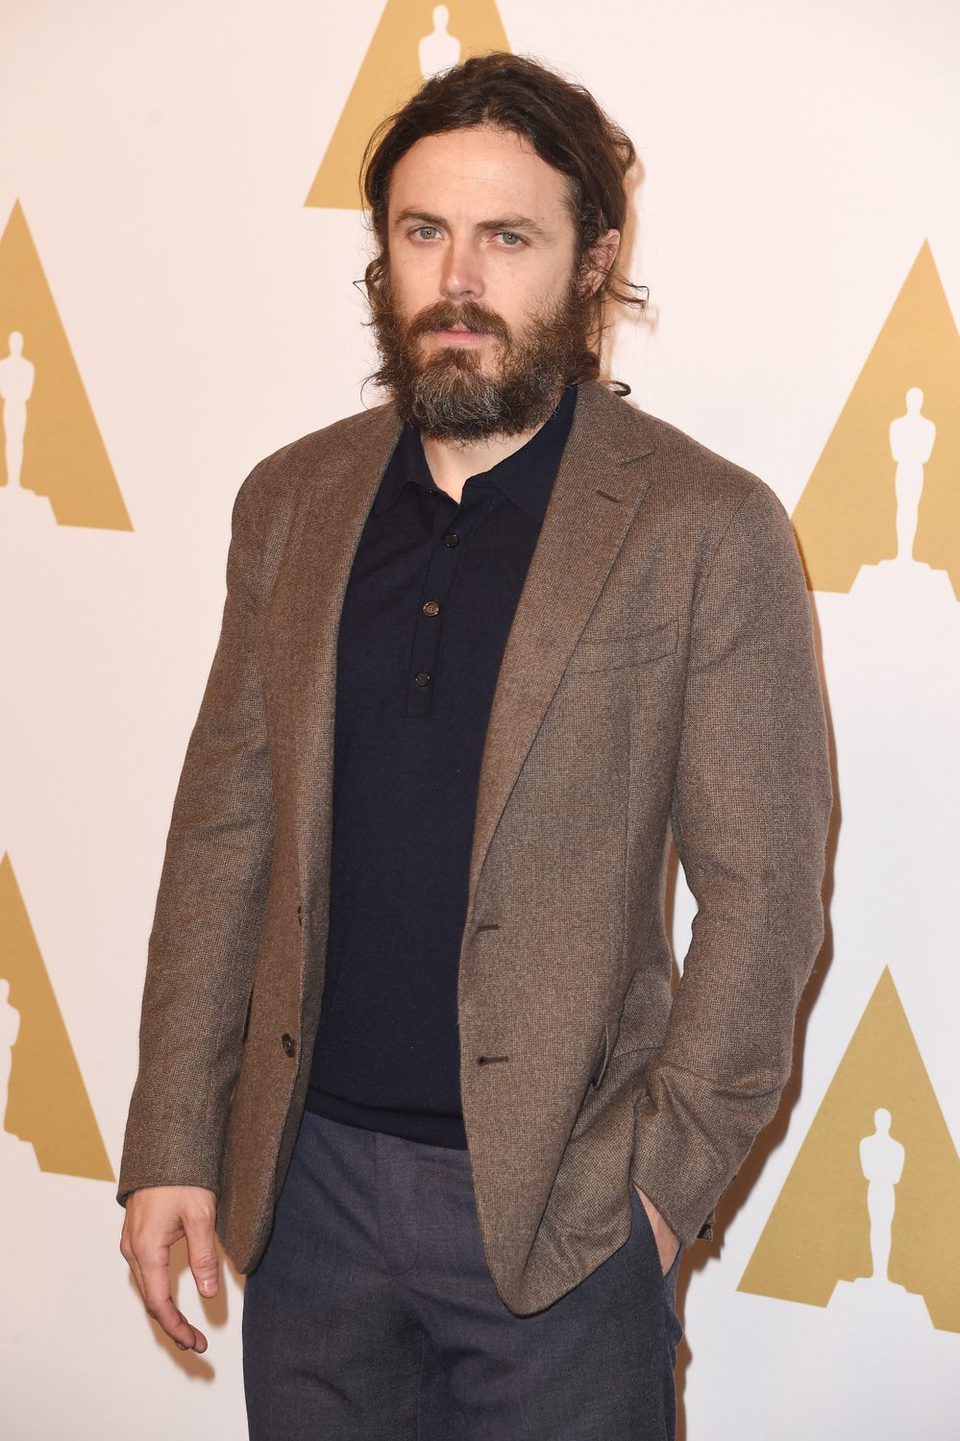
x: 428, y: 605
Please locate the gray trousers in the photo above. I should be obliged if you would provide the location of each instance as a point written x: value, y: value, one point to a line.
x: 372, y: 1315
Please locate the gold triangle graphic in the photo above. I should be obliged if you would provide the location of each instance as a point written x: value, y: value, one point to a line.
x: 846, y: 516
x: 818, y: 1232
x: 47, y: 1103
x: 64, y: 456
x: 392, y: 69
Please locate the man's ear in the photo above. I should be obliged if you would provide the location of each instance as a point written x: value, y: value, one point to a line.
x: 598, y: 261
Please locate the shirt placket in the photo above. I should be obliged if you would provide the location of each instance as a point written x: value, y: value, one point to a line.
x: 453, y: 525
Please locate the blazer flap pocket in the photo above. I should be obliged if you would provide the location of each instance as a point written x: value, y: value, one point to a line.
x: 614, y: 652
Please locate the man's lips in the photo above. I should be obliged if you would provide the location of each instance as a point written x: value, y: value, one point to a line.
x: 462, y: 333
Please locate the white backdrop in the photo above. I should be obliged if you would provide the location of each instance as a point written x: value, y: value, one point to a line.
x: 795, y: 161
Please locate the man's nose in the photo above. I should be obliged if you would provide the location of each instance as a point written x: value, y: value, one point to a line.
x: 461, y: 277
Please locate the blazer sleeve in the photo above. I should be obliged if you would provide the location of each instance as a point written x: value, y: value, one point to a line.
x: 210, y: 905
x: 750, y: 815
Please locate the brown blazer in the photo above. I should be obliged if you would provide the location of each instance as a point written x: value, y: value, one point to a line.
x: 660, y: 672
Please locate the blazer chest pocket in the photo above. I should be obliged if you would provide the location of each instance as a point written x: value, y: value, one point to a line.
x: 619, y: 652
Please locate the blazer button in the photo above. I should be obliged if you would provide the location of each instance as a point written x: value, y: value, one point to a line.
x: 288, y: 1043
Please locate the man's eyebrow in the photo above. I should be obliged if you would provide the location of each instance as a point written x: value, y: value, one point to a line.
x: 510, y: 222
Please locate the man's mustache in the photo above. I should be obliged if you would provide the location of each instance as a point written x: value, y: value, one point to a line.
x: 475, y: 318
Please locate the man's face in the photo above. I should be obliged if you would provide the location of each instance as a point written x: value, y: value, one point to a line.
x: 482, y: 321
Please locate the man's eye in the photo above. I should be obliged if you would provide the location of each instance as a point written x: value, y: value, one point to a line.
x: 509, y: 234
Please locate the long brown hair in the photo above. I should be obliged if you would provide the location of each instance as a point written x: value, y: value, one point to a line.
x: 564, y: 125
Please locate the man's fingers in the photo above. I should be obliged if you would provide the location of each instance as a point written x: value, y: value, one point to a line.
x: 155, y: 1273
x: 202, y: 1253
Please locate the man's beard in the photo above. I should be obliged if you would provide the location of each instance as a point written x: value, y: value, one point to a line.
x: 446, y: 394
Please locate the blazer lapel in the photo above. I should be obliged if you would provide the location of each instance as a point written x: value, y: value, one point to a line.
x: 595, y: 496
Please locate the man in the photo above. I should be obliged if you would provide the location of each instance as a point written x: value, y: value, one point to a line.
x: 408, y: 1036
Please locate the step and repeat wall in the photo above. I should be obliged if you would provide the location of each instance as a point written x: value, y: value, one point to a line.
x: 180, y: 234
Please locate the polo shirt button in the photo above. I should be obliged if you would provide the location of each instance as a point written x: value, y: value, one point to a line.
x: 288, y: 1043
x: 422, y: 677
x: 451, y: 538
x: 430, y: 607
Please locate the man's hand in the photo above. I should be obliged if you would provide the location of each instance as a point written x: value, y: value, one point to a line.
x: 156, y: 1218
x: 668, y: 1243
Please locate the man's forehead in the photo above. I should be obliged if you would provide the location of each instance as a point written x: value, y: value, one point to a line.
x: 466, y: 169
